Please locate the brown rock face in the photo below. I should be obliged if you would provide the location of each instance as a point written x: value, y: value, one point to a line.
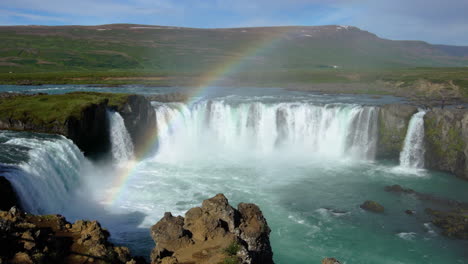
x: 330, y: 261
x: 213, y: 233
x: 26, y: 238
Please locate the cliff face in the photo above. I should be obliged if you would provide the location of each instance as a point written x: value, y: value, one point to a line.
x: 446, y: 137
x: 140, y: 121
x: 213, y: 233
x: 90, y: 132
x: 8, y: 197
x: 393, y: 124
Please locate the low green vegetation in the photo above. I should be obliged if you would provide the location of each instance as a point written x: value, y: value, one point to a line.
x: 307, y: 58
x: 231, y: 252
x: 50, y: 109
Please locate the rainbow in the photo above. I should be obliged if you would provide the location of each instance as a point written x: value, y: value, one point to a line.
x: 233, y: 64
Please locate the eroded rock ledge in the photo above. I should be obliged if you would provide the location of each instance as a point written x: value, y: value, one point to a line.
x: 213, y: 233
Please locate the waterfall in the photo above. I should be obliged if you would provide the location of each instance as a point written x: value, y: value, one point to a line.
x: 412, y: 155
x: 46, y: 179
x: 219, y: 126
x: 121, y: 142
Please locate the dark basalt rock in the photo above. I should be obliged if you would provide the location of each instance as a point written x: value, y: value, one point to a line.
x: 372, y: 206
x: 90, y: 132
x: 26, y: 238
x: 140, y: 121
x: 392, y: 128
x: 8, y: 196
x: 410, y: 212
x: 213, y: 233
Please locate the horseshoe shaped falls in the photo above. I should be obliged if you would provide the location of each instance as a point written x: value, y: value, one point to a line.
x: 309, y: 160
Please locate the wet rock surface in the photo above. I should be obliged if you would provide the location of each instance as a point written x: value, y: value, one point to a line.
x: 453, y: 223
x: 435, y: 200
x: 8, y: 196
x: 372, y: 206
x: 213, y: 233
x: 451, y: 217
x: 26, y: 238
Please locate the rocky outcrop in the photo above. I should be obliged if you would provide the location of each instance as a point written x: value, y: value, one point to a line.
x: 393, y: 124
x: 86, y: 123
x: 372, y: 206
x: 213, y: 233
x: 434, y: 200
x: 452, y: 219
x: 453, y: 223
x: 26, y: 238
x: 140, y: 120
x: 90, y: 131
x: 446, y: 137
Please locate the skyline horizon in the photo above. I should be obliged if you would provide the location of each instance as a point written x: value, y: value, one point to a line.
x: 241, y: 27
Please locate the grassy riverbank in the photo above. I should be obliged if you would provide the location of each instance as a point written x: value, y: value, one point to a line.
x: 47, y: 109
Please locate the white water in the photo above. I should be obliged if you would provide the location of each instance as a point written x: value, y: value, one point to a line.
x: 412, y: 155
x: 46, y: 182
x: 213, y: 128
x: 242, y: 151
x: 122, y: 146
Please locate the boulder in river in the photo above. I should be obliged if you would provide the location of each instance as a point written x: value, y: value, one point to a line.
x: 372, y: 206
x: 330, y: 261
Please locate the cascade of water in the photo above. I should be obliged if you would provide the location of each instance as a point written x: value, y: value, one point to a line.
x: 47, y: 179
x: 218, y: 126
x: 412, y: 155
x: 121, y: 142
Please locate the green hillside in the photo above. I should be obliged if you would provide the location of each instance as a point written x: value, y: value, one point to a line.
x: 185, y: 50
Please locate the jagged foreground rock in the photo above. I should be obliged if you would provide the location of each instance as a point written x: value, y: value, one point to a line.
x: 213, y: 233
x: 50, y: 239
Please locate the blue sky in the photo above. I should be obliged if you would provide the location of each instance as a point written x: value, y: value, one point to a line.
x: 434, y: 21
